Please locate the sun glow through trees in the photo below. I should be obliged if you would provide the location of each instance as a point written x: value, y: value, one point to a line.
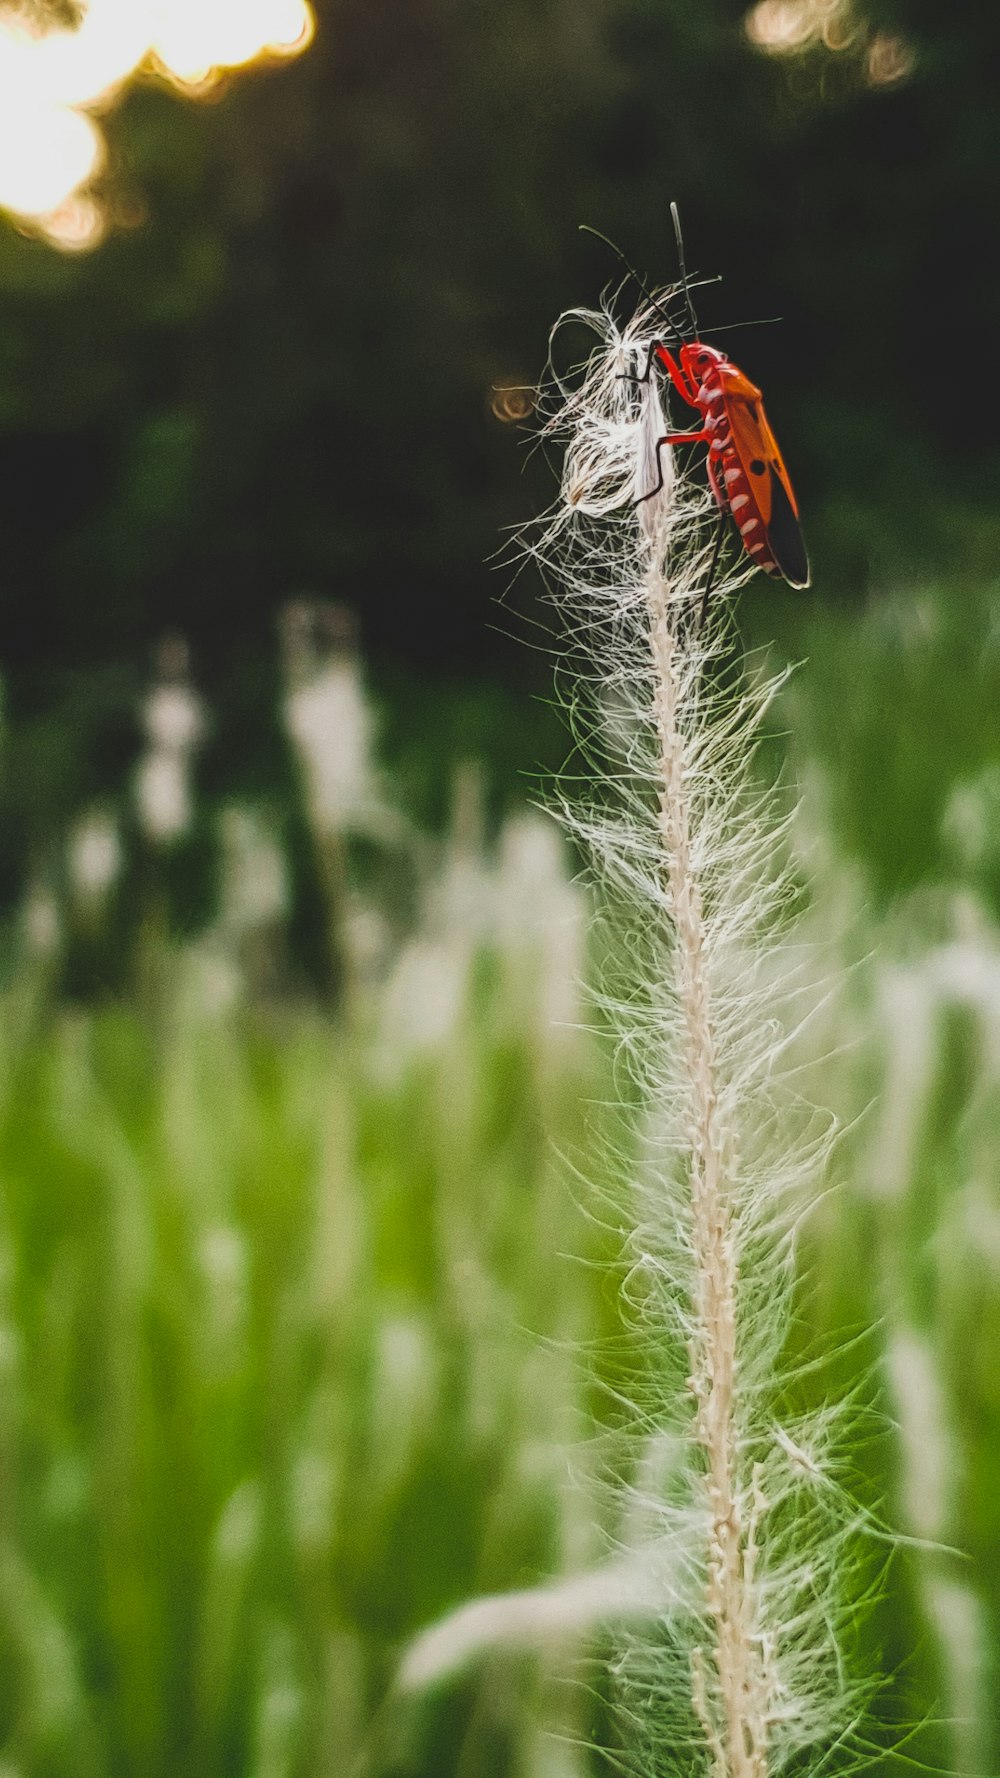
x: 53, y: 83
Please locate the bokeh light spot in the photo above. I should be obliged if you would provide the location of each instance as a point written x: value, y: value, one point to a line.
x: 512, y: 404
x: 889, y: 59
x: 788, y: 27
x: 51, y: 81
x: 46, y: 154
x: 781, y: 25
x: 77, y: 225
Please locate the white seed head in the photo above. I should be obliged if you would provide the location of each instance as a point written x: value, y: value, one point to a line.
x: 961, y: 1625
x: 163, y: 797
x: 423, y: 998
x: 174, y: 718
x: 331, y: 723
x: 927, y: 1446
x: 688, y: 850
x: 41, y: 922
x: 909, y: 1008
x: 238, y: 1525
x: 95, y: 855
x: 255, y: 890
x: 541, y: 916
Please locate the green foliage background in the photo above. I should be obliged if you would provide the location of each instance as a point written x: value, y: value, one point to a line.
x: 301, y: 1338
x: 310, y: 1321
x: 277, y: 373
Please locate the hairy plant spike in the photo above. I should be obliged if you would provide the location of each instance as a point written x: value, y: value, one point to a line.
x: 745, y: 1674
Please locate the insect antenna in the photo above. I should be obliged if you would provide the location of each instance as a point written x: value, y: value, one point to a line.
x: 731, y: 326
x: 692, y: 317
x: 633, y: 274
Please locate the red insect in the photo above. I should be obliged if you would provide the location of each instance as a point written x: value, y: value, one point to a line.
x: 745, y: 466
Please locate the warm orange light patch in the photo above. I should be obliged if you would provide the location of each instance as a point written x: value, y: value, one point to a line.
x: 194, y: 42
x: 46, y: 153
x: 786, y: 27
x: 781, y: 25
x: 513, y: 404
x: 50, y: 146
x: 77, y: 225
x: 889, y: 60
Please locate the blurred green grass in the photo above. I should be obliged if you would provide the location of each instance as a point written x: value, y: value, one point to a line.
x: 305, y: 1316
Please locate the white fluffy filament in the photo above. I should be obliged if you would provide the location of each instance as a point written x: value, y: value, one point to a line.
x: 748, y: 1674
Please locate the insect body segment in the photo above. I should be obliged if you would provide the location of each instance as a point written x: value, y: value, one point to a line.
x: 745, y: 466
x: 746, y: 470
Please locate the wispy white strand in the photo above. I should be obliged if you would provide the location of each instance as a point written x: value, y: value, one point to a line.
x: 745, y: 1673
x: 532, y: 1617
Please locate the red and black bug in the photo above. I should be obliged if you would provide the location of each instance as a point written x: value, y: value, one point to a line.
x: 745, y: 467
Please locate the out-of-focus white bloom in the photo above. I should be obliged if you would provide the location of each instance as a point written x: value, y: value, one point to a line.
x: 330, y: 722
x: 95, y: 855
x: 959, y: 1619
x: 927, y: 1446
x: 463, y: 899
x: 255, y: 878
x: 174, y: 718
x: 41, y: 922
x: 368, y: 939
x: 424, y: 996
x: 238, y: 1524
x: 970, y: 825
x: 632, y: 1587
x: 224, y: 1268
x: 163, y: 796
x: 540, y: 914
x: 968, y: 972
x: 224, y: 1259
x: 213, y: 982
x: 402, y: 1393
x: 908, y: 1007
x: 974, y: 1229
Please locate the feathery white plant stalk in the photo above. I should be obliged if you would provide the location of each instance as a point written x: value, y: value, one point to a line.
x: 747, y: 1674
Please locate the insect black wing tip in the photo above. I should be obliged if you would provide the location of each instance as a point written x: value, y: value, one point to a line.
x: 784, y: 536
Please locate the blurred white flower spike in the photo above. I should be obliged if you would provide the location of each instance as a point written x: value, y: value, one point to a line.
x: 51, y: 81
x: 328, y: 714
x: 174, y: 720
x: 95, y: 857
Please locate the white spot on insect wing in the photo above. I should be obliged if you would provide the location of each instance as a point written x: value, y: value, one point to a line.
x: 751, y: 525
x: 732, y: 475
x: 738, y: 501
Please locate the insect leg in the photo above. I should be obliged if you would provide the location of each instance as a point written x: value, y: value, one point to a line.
x: 671, y: 438
x: 657, y: 349
x: 626, y: 377
x: 654, y: 351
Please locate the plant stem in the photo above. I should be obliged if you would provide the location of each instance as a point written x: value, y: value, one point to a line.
x: 737, y: 1729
